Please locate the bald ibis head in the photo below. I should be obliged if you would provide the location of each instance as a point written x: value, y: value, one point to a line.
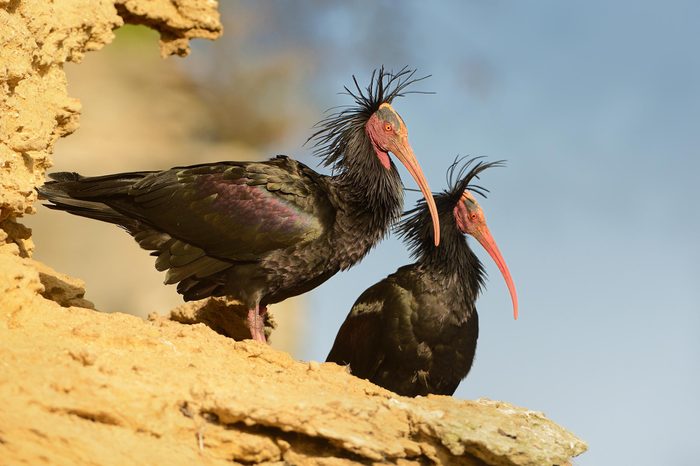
x: 471, y: 221
x: 364, y: 134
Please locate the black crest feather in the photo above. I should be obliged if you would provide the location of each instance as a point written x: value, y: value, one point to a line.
x: 337, y: 132
x: 463, y: 172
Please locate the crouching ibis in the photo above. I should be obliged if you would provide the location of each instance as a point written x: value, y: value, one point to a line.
x: 261, y: 232
x: 415, y: 331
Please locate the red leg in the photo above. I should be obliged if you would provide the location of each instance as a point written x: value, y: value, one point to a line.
x: 255, y: 323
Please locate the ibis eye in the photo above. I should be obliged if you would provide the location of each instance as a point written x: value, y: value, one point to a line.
x: 388, y: 127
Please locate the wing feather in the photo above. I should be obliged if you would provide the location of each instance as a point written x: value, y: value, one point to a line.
x: 202, y: 219
x: 361, y: 339
x: 234, y: 211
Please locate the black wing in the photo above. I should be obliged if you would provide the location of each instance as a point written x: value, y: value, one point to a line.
x: 377, y: 331
x: 379, y: 339
x: 357, y: 343
x: 201, y: 219
x: 235, y: 211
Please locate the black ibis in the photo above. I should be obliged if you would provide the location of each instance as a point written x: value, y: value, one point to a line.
x: 261, y: 232
x: 415, y: 331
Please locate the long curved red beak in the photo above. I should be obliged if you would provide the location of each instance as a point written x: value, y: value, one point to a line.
x: 483, y: 236
x: 408, y: 159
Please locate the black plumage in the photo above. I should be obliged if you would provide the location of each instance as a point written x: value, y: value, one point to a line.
x: 415, y: 331
x: 261, y: 232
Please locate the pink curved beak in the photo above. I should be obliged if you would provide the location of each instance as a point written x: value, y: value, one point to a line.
x: 408, y: 159
x: 483, y: 236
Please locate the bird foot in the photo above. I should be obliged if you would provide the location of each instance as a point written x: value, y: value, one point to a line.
x: 256, y: 325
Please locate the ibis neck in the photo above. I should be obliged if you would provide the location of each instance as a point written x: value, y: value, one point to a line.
x: 370, y: 200
x: 453, y: 260
x: 373, y: 195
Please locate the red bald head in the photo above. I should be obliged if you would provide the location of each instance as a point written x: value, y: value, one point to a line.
x: 471, y: 221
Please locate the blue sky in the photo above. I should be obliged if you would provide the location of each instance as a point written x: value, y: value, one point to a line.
x: 596, y: 106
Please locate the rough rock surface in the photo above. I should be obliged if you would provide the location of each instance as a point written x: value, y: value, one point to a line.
x: 83, y: 387
x: 177, y: 21
x: 225, y: 317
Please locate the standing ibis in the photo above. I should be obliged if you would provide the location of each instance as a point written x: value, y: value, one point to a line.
x: 261, y: 232
x: 415, y: 331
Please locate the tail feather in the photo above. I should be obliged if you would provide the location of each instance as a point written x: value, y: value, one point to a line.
x: 92, y: 187
x: 84, y: 196
x: 198, y: 275
x: 92, y: 210
x: 65, y: 176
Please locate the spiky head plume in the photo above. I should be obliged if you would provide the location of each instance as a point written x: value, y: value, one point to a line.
x: 343, y: 132
x: 415, y: 228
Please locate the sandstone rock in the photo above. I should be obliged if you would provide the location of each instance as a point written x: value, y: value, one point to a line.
x: 225, y: 317
x: 74, y: 380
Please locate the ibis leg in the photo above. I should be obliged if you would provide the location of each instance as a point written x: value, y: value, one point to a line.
x: 255, y: 323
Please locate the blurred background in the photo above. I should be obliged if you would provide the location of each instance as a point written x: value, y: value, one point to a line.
x: 596, y: 107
